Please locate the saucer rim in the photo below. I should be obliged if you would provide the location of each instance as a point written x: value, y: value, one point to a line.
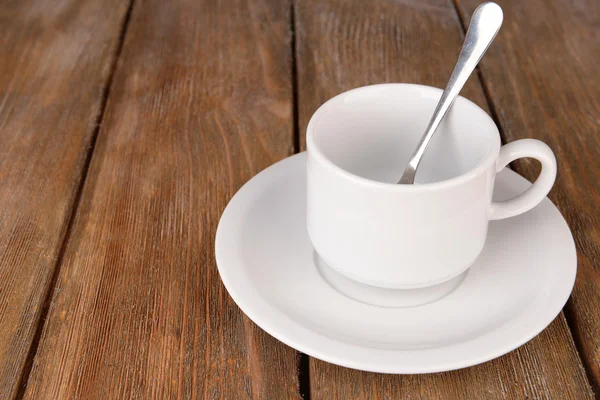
x: 293, y: 333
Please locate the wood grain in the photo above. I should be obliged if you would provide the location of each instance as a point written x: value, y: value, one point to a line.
x: 201, y: 102
x: 55, y: 61
x: 543, y: 78
x: 346, y: 44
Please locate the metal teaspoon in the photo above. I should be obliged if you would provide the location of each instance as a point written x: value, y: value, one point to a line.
x: 485, y: 23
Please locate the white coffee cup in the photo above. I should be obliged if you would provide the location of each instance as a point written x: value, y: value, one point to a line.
x: 379, y: 233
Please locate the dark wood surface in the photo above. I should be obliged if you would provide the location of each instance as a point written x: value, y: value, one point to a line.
x: 206, y: 94
x: 139, y: 310
x: 54, y: 65
x: 345, y: 44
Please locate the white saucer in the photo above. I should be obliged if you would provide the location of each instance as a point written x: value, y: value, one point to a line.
x: 517, y: 286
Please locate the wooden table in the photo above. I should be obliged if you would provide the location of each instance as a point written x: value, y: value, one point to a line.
x: 126, y: 127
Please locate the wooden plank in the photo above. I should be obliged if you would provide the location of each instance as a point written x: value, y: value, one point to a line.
x: 201, y: 101
x: 543, y: 77
x: 346, y: 44
x: 55, y: 61
x: 343, y: 45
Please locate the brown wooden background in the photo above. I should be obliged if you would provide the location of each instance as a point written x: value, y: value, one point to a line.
x: 126, y: 126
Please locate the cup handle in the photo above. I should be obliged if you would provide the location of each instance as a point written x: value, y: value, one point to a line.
x: 537, y: 192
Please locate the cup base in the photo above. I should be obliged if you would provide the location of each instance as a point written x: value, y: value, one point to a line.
x: 384, y: 297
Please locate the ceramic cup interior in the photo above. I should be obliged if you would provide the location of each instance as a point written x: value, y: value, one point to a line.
x: 382, y: 124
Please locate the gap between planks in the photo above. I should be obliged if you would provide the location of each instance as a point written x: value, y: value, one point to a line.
x: 295, y: 105
x: 303, y: 359
x: 74, y: 207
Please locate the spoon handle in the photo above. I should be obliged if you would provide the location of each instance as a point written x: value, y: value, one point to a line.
x: 485, y: 23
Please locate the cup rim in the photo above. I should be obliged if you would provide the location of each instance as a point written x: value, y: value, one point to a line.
x: 315, y: 152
